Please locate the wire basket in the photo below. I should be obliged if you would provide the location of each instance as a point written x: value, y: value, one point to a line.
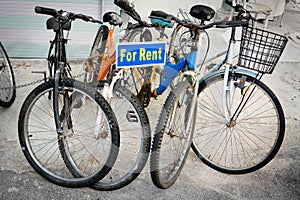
x: 260, y: 50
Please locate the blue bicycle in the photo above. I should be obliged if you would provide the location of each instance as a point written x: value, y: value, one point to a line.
x: 233, y: 121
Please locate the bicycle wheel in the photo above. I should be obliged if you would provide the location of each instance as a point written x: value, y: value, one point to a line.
x: 99, y: 43
x: 135, y: 140
x: 251, y: 139
x: 172, y: 137
x: 180, y: 43
x: 7, y: 80
x: 96, y: 66
x: 90, y: 137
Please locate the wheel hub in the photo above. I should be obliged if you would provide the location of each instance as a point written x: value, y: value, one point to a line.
x: 231, y: 124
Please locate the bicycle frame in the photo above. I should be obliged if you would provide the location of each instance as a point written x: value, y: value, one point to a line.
x: 59, y: 70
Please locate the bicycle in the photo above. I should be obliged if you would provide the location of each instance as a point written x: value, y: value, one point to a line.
x: 7, y: 80
x: 225, y: 99
x: 260, y: 51
x: 133, y: 122
x: 113, y: 83
x: 142, y: 81
x: 67, y: 131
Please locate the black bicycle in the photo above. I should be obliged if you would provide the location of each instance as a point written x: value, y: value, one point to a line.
x: 7, y: 80
x: 67, y: 130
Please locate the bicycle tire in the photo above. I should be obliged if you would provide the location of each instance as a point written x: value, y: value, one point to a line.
x: 135, y: 141
x: 7, y: 80
x: 237, y: 148
x: 135, y: 136
x: 164, y: 173
x: 100, y: 41
x: 93, y: 145
x: 145, y: 35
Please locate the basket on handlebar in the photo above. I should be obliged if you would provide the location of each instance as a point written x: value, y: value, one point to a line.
x: 260, y: 50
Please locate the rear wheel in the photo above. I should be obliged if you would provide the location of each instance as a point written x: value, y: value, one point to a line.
x: 7, y: 80
x: 138, y: 80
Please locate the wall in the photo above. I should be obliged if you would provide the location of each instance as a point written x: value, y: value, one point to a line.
x: 172, y: 6
x: 24, y: 34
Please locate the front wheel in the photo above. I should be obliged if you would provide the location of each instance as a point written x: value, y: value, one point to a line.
x: 7, y: 80
x: 89, y: 141
x: 172, y: 137
x: 253, y: 135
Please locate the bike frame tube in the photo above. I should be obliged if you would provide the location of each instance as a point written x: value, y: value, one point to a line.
x: 196, y: 86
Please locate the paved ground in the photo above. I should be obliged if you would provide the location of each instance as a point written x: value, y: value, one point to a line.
x: 280, y: 179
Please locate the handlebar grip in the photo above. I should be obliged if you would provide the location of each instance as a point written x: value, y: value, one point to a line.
x: 87, y: 18
x: 233, y: 23
x: 46, y: 11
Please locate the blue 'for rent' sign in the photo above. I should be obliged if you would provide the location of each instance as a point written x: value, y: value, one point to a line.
x: 141, y: 54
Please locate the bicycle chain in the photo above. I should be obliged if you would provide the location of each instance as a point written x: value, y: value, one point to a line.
x: 41, y: 80
x: 33, y: 83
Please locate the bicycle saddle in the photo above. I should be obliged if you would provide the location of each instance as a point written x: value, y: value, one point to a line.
x: 113, y: 18
x: 52, y: 23
x: 202, y: 12
x: 161, y: 18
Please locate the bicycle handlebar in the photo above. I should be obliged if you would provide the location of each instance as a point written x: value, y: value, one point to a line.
x: 87, y: 18
x: 240, y: 21
x: 68, y: 16
x: 46, y: 11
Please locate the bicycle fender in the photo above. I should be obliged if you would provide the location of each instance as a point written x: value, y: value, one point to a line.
x: 236, y: 70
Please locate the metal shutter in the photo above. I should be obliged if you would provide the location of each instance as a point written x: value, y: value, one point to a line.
x: 24, y: 34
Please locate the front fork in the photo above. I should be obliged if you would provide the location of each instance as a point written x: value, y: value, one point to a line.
x: 226, y: 95
x: 229, y: 88
x: 193, y: 79
x: 57, y: 75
